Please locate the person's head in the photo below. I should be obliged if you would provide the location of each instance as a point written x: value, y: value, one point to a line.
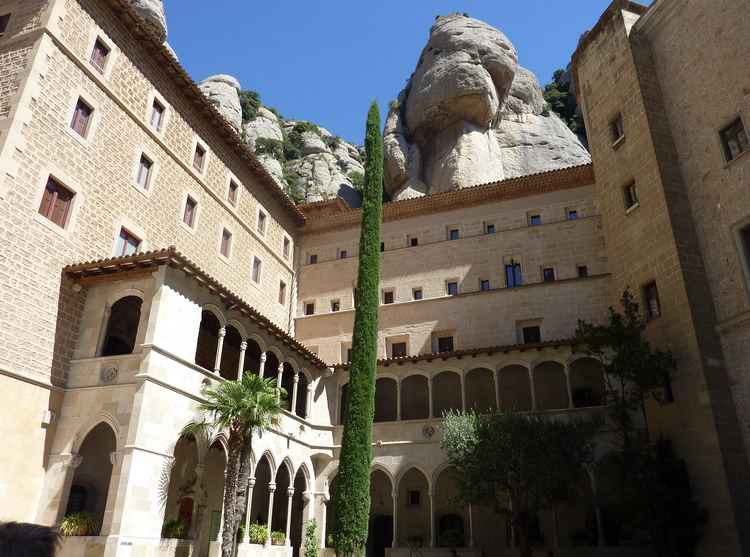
x: 22, y: 539
x: 453, y: 553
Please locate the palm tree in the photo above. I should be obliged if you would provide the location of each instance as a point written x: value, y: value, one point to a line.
x: 240, y: 407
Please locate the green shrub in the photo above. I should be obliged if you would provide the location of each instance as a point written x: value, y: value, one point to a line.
x: 358, y: 181
x: 311, y: 540
x: 278, y: 538
x: 173, y: 528
x: 250, y: 103
x: 240, y: 533
x: 332, y: 141
x: 257, y: 533
x: 78, y: 524
x: 451, y: 538
x: 267, y: 146
x: 302, y: 127
x: 394, y: 104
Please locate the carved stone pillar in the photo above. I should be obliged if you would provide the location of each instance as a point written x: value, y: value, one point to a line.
x: 394, y: 494
x: 200, y: 468
x: 279, y: 374
x: 398, y: 401
x: 463, y: 393
x: 219, y: 350
x: 295, y: 386
x: 248, y: 514
x: 326, y: 499
x: 534, y: 405
x: 471, y: 526
x: 103, y: 331
x: 429, y: 397
x: 271, y: 490
x: 496, y: 375
x: 289, y: 496
x: 433, y: 541
x: 262, y: 367
x: 570, y: 390
x: 309, y: 401
x: 241, y: 366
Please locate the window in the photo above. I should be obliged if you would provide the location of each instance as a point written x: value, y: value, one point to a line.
x: 629, y: 195
x: 348, y: 354
x: 668, y: 394
x: 156, y: 116
x: 532, y: 335
x: 616, y: 128
x: 484, y: 284
x: 335, y: 305
x: 651, y: 300
x: 313, y: 259
x: 445, y: 344
x: 144, y: 172
x: 99, y: 56
x: 342, y: 254
x: 583, y: 272
x: 232, y: 192
x: 81, y: 118
x: 548, y: 275
x: 127, y: 244
x: 414, y: 242
x: 256, y: 270
x: 453, y: 234
x: 733, y: 140
x: 3, y: 26
x: 310, y: 308
x: 451, y: 288
x: 285, y: 248
x: 261, y: 222
x: 282, y: 292
x: 199, y: 158
x: 190, y: 208
x: 513, y: 273
x: 490, y: 229
x: 398, y: 350
x: 414, y: 498
x: 56, y: 203
x: 226, y: 240
x: 382, y: 246
x: 388, y: 297
x: 417, y: 294
x: 572, y: 215
x: 535, y: 220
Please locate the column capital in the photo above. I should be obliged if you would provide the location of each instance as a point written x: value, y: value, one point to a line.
x: 280, y: 369
x: 531, y: 372
x: 432, y: 492
x: 222, y: 332
x: 251, y: 482
x: 73, y: 461
x: 115, y: 457
x: 271, y: 487
x: 290, y: 492
x: 263, y: 358
x: 200, y: 468
x: 394, y: 493
x: 306, y: 496
x: 567, y: 369
x: 296, y: 377
x: 243, y: 345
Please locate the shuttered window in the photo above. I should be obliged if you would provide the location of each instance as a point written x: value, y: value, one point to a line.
x: 56, y: 202
x: 81, y: 117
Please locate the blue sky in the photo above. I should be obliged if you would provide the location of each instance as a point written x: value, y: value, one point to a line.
x: 325, y: 61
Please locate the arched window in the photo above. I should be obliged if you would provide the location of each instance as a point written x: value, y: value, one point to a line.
x: 122, y: 326
x: 208, y: 340
x: 76, y: 500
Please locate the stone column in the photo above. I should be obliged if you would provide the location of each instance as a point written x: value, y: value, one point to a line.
x: 512, y: 528
x: 429, y: 396
x: 497, y: 392
x: 262, y: 367
x: 279, y: 374
x: 432, y: 518
x: 103, y: 333
x: 289, y: 495
x: 340, y: 410
x: 326, y: 498
x: 471, y: 526
x: 307, y: 497
x: 463, y: 393
x: 248, y: 514
x: 394, y: 494
x: 309, y: 401
x: 200, y: 468
x: 293, y: 407
x: 69, y: 466
x: 271, y: 490
x: 241, y: 366
x: 570, y: 391
x: 555, y: 535
x: 595, y: 489
x: 219, y: 350
x: 398, y: 401
x: 534, y: 405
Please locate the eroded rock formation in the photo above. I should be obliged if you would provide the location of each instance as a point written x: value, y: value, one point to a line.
x: 153, y: 12
x: 223, y: 91
x: 470, y: 115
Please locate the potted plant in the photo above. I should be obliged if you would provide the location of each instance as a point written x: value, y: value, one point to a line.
x: 578, y: 538
x: 278, y: 538
x: 173, y: 528
x: 78, y: 524
x: 451, y: 538
x: 414, y: 541
x: 258, y: 533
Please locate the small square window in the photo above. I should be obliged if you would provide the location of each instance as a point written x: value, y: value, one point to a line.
x: 4, y: 23
x: 536, y: 220
x: 734, y: 140
x: 335, y: 305
x: 226, y: 240
x: 572, y: 215
x: 414, y: 242
x: 629, y: 195
x: 157, y: 115
x: 484, y: 284
x: 313, y: 258
x: 583, y: 272
x: 445, y: 344
x: 382, y: 246
x: 144, y: 172
x: 388, y: 297
x: 451, y: 288
x: 256, y: 270
x: 616, y: 128
x: 285, y: 248
x: 417, y: 293
x: 342, y: 254
x: 651, y: 300
x: 398, y: 350
x: 188, y: 216
x: 81, y: 118
x: 490, y: 229
x: 414, y: 498
x: 199, y: 157
x: 232, y: 192
x: 548, y: 275
x: 532, y: 335
x: 56, y: 203
x: 99, y: 56
x: 453, y: 234
x: 310, y: 308
x: 127, y: 244
x: 282, y: 292
x: 261, y: 222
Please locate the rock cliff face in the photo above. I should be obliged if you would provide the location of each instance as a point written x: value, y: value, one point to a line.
x: 223, y: 92
x: 470, y: 115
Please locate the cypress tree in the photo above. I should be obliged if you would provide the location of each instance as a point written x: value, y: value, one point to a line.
x: 350, y: 522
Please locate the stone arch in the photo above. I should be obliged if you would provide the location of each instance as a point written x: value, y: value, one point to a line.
x: 411, y: 466
x: 304, y: 467
x: 445, y: 368
x: 230, y: 353
x: 550, y: 384
x: 255, y: 348
x: 268, y: 455
x: 587, y: 382
x: 286, y: 461
x: 274, y: 358
x: 514, y: 385
x: 387, y: 471
x: 413, y: 372
x: 237, y: 324
x: 447, y: 391
x: 306, y: 372
x: 415, y: 396
x: 121, y: 326
x: 480, y: 389
x: 91, y: 422
x: 386, y: 399
x: 208, y: 338
x: 124, y: 292
x: 216, y: 310
x: 264, y: 473
x: 548, y: 358
x: 292, y: 362
x: 513, y: 362
x: 257, y: 339
x: 219, y: 437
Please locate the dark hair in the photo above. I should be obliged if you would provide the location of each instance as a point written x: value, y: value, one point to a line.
x: 23, y: 539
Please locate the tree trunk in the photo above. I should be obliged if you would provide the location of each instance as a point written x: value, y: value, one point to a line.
x: 230, y: 488
x: 242, y: 481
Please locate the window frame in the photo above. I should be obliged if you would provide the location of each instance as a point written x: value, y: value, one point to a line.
x: 515, y: 268
x: 98, y: 42
x: 306, y: 308
x: 530, y: 329
x: 75, y: 122
x: 312, y: 258
x: 386, y: 295
x: 726, y: 150
x: 451, y: 283
x: 224, y: 232
x: 194, y: 212
x: 155, y: 98
x: 286, y: 247
x: 47, y: 215
x: 282, y: 293
x: 257, y: 270
x: 233, y: 193
x: 630, y: 196
x: 648, y: 308
x: 199, y: 146
x: 616, y: 129
x: 342, y: 254
x: 335, y: 305
x: 414, y: 292
x: 483, y: 283
x: 150, y: 172
x: 124, y: 230
x: 579, y: 269
x: 535, y: 220
x: 573, y: 214
x: 453, y: 233
x: 441, y: 339
x: 548, y: 274
x: 262, y: 222
x: 489, y: 228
